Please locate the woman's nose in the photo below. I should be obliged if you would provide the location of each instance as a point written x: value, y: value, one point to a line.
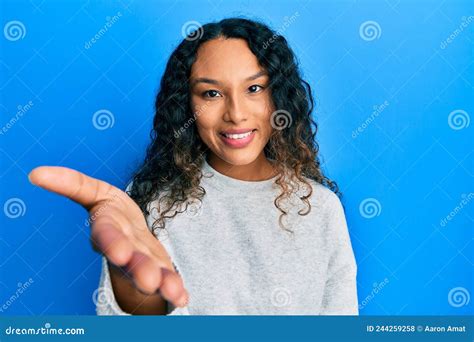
x: 236, y: 109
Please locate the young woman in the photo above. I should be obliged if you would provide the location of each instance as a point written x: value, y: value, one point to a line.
x: 230, y: 212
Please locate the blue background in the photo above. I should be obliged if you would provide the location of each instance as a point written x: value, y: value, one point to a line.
x: 409, y: 158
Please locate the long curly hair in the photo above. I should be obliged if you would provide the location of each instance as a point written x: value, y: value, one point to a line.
x: 171, y: 171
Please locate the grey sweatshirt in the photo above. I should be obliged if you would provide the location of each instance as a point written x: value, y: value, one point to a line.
x: 235, y: 259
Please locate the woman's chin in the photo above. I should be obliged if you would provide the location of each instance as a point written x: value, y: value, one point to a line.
x: 239, y: 157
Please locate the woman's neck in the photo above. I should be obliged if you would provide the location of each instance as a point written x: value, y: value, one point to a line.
x: 258, y: 170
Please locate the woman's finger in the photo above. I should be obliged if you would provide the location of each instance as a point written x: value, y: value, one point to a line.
x: 73, y: 184
x: 146, y: 273
x: 149, y: 277
x: 172, y: 288
x: 111, y: 242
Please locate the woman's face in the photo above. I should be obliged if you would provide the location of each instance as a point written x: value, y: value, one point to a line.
x: 231, y: 100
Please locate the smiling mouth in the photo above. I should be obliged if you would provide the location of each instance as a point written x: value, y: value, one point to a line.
x: 237, y: 136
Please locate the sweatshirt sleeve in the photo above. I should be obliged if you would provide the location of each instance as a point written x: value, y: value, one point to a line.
x: 340, y: 293
x: 104, y: 297
x: 106, y: 304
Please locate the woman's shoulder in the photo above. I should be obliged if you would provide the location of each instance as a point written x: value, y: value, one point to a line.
x: 324, y: 198
x: 320, y: 191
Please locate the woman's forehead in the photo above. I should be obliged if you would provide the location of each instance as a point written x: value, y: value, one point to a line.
x: 225, y: 58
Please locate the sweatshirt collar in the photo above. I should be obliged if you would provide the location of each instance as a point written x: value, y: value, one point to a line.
x: 223, y: 182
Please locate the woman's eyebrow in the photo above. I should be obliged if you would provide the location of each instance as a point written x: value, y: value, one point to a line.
x: 216, y: 82
x: 257, y: 75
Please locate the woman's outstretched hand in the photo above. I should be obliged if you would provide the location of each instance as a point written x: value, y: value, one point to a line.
x: 118, y: 230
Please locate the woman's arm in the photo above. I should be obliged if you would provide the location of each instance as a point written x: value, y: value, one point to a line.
x: 340, y: 293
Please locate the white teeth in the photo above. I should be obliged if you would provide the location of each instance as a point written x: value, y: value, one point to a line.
x: 238, y: 136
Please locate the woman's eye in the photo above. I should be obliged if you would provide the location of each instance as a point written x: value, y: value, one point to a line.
x: 211, y: 93
x: 255, y: 88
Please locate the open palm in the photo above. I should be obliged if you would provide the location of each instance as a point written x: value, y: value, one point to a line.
x: 118, y: 230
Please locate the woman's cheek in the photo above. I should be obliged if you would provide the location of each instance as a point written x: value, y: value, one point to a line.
x: 265, y: 122
x: 207, y: 127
